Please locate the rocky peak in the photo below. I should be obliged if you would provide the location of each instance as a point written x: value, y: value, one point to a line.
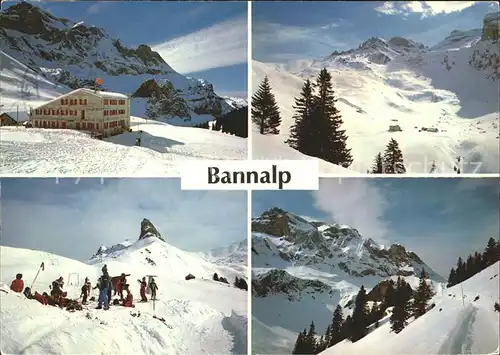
x: 405, y: 43
x: 279, y: 281
x: 148, y: 230
x: 374, y: 43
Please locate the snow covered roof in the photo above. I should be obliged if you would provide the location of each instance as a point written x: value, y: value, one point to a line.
x: 106, y: 94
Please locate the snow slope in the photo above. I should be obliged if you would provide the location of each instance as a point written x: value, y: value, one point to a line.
x: 204, y: 316
x: 272, y: 147
x: 453, y: 326
x: 413, y: 89
x: 163, y: 149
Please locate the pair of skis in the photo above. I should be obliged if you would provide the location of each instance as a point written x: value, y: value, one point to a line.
x: 160, y: 319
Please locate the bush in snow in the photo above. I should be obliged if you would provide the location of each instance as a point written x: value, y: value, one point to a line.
x: 215, y: 277
x: 240, y: 283
x: 497, y: 307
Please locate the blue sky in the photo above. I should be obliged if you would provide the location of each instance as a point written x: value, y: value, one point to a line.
x: 439, y: 219
x: 283, y: 31
x: 74, y: 217
x: 205, y: 40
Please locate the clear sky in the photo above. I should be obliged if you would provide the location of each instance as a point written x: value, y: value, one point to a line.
x: 205, y: 40
x: 439, y: 219
x: 283, y: 31
x: 73, y: 217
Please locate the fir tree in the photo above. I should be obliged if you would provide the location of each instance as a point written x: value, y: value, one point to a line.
x: 378, y: 165
x: 301, y: 344
x: 423, y: 295
x: 311, y: 340
x: 491, y: 254
x: 336, y: 326
x: 478, y: 262
x: 469, y: 267
x: 265, y: 111
x: 359, y: 316
x: 393, y: 159
x: 452, y: 279
x: 400, y: 312
x: 328, y: 336
x: 347, y: 328
x: 303, y: 133
x: 331, y: 139
x: 460, y: 272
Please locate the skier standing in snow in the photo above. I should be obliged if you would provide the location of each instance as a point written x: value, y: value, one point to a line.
x: 57, y: 291
x: 17, y: 285
x: 85, y: 292
x: 143, y: 289
x: 104, y: 286
x: 153, y: 288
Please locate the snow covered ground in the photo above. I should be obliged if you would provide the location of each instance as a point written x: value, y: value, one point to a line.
x: 163, y: 149
x: 414, y: 90
x: 453, y: 326
x: 202, y: 316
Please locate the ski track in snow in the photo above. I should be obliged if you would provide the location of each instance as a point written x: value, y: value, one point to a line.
x: 459, y: 340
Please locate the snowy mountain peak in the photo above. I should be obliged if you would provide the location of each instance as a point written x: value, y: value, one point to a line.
x: 148, y: 230
x: 280, y: 236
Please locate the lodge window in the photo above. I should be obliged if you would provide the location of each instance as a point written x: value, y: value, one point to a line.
x: 53, y: 112
x: 81, y: 101
x: 85, y: 101
x: 106, y: 102
x: 122, y: 102
x: 105, y: 125
x: 84, y: 125
x: 63, y: 124
x: 106, y: 113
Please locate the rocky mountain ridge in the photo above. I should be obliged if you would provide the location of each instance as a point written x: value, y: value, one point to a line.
x: 483, y: 45
x: 282, y: 240
x: 74, y: 54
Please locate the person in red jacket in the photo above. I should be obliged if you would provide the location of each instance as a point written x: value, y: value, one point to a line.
x: 40, y: 298
x: 144, y: 284
x: 18, y: 284
x: 128, y: 301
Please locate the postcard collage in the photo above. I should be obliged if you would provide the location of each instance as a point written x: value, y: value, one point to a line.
x: 249, y: 177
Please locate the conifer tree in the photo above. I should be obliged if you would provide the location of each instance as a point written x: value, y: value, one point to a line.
x: 301, y: 344
x: 460, y: 272
x: 303, y: 133
x: 491, y: 254
x: 347, y: 328
x: 336, y: 326
x: 478, y: 262
x: 469, y: 267
x: 378, y: 165
x: 393, y: 159
x: 400, y: 312
x: 423, y: 295
x: 359, y: 316
x: 331, y: 139
x: 328, y: 336
x: 452, y: 279
x: 265, y: 111
x: 311, y: 339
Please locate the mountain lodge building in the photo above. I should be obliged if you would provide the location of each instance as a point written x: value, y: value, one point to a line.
x: 97, y: 112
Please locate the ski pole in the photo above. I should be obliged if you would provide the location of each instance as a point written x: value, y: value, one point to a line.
x: 154, y: 307
x: 42, y: 267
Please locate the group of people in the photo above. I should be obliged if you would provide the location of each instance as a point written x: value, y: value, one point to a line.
x: 105, y: 284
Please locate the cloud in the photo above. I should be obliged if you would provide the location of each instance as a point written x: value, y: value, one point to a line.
x: 278, y: 42
x: 426, y: 8
x: 97, y: 7
x: 74, y: 220
x: 356, y: 203
x: 218, y: 46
